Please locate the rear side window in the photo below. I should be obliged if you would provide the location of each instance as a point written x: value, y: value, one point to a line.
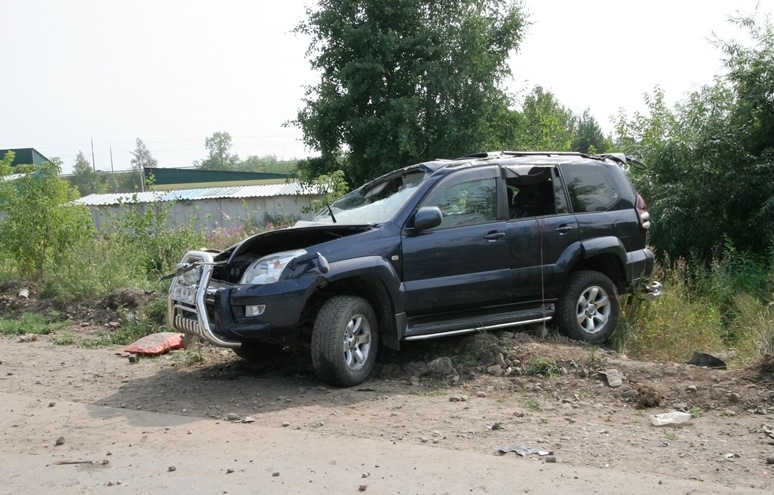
x: 592, y: 188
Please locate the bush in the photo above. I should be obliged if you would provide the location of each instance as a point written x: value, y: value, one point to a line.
x: 40, y: 227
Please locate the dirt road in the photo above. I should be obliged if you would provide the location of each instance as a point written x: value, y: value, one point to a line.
x: 405, y: 431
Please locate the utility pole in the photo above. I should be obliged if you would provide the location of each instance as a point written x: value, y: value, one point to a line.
x: 93, y: 163
x: 111, y: 159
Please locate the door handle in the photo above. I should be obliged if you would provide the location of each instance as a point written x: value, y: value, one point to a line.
x: 493, y: 236
x: 563, y: 229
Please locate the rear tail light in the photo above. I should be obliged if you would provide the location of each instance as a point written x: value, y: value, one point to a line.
x: 641, y: 207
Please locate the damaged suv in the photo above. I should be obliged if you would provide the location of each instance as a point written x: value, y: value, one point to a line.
x: 440, y: 248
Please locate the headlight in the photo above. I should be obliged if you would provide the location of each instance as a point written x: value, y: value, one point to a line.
x: 268, y: 269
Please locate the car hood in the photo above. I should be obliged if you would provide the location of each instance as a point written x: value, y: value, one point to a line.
x: 288, y: 239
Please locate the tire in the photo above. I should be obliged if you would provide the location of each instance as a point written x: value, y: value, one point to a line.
x: 257, y: 352
x: 345, y: 339
x: 588, y: 308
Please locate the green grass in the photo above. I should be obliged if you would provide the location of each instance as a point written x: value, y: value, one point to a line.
x: 530, y: 402
x: 700, y: 310
x: 34, y: 323
x: 542, y: 366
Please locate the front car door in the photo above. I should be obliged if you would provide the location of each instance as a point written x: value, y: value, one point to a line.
x: 461, y: 264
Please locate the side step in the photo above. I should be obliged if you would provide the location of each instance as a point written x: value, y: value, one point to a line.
x: 421, y: 330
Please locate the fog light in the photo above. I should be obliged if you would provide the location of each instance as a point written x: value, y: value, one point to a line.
x: 255, y: 310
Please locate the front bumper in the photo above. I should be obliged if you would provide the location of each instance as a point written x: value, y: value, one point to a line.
x: 186, y: 305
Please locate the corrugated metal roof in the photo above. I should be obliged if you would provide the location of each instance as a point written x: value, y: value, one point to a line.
x: 239, y: 192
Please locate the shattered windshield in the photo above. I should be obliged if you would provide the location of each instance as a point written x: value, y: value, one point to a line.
x: 376, y: 202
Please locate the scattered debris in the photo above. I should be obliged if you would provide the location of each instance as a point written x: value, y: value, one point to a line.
x: 524, y: 451
x: 59, y: 441
x: 670, y: 418
x: 156, y: 344
x: 614, y: 378
x: 362, y: 488
x: 701, y: 359
x: 233, y: 417
x: 171, y: 468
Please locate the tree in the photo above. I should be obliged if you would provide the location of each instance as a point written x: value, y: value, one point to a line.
x: 39, y: 227
x: 405, y: 81
x: 5, y: 163
x: 588, y: 136
x: 711, y: 158
x: 220, y: 157
x: 142, y: 160
x: 84, y: 177
x: 545, y: 124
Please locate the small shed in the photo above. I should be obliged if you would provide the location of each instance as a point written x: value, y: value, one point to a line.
x: 210, y: 207
x: 25, y: 156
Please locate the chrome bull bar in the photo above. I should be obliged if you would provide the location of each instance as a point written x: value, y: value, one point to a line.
x: 200, y: 326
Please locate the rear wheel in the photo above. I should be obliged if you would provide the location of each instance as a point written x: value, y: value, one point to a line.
x: 344, y: 341
x: 588, y: 307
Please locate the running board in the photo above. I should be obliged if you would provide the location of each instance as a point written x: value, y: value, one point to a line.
x: 431, y: 330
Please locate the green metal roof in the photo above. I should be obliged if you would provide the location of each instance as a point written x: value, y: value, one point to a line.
x: 170, y: 176
x: 25, y: 156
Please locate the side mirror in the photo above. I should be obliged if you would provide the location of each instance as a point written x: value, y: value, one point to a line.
x: 427, y: 217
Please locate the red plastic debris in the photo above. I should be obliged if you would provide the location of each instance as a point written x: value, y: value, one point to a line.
x: 155, y: 344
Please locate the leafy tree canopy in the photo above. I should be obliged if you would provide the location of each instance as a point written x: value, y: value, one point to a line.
x: 84, y: 177
x: 5, y: 163
x: 405, y: 81
x: 711, y: 157
x: 220, y: 157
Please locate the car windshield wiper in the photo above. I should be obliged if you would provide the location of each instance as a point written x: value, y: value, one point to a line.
x: 330, y: 212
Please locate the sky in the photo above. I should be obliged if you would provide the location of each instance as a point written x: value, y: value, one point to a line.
x: 173, y: 72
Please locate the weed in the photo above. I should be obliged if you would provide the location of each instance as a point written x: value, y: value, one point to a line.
x: 530, y: 402
x: 34, y: 323
x: 542, y: 366
x: 192, y: 355
x: 64, y: 339
x: 670, y: 436
x: 695, y: 411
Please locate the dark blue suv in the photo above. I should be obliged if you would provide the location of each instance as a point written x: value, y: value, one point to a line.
x: 440, y: 248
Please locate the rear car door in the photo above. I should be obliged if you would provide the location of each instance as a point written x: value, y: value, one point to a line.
x: 462, y: 263
x: 540, y: 231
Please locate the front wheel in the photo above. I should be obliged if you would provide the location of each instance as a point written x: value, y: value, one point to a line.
x: 344, y: 341
x: 588, y: 307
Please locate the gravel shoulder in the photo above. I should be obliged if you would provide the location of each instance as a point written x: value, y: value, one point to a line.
x: 431, y: 428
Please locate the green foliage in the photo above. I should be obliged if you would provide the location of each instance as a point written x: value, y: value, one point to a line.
x: 142, y: 157
x: 5, y: 163
x: 701, y: 309
x: 219, y: 148
x: 267, y: 164
x: 40, y: 228
x: 151, y: 318
x: 333, y: 186
x: 405, y: 81
x: 84, y: 177
x: 542, y: 366
x: 34, y: 323
x: 711, y: 158
x: 588, y: 136
x: 545, y: 124
x: 156, y: 242
x: 530, y: 402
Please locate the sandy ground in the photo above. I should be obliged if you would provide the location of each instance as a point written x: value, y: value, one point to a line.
x: 409, y: 429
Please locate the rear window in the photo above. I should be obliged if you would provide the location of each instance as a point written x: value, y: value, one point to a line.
x: 592, y: 188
